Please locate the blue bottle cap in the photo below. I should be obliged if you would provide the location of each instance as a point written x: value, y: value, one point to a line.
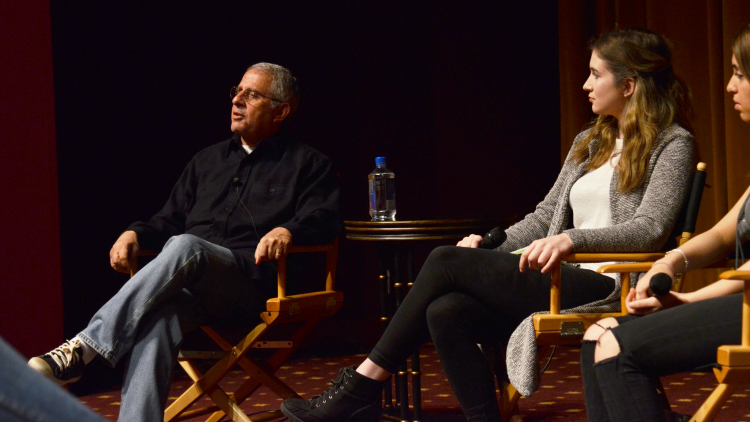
x: 379, y: 161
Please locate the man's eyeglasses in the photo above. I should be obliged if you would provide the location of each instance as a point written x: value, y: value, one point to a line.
x: 249, y: 95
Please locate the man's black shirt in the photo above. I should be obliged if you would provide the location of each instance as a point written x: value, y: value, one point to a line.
x: 231, y: 198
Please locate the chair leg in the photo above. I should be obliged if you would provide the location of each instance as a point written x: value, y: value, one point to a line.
x: 228, y: 406
x: 191, y: 369
x: 713, y: 403
x: 259, y: 376
x: 662, y: 395
x: 267, y: 378
x: 220, y: 397
x: 509, y: 397
x: 208, y: 383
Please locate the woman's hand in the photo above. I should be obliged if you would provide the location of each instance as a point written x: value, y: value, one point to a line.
x: 641, y: 290
x: 546, y: 253
x: 653, y: 304
x: 470, y: 241
x: 640, y: 300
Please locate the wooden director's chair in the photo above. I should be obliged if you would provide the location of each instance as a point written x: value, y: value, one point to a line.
x: 300, y: 313
x: 556, y: 329
x: 733, y: 360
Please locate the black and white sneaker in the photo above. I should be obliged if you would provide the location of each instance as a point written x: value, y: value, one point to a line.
x: 352, y: 397
x: 62, y: 365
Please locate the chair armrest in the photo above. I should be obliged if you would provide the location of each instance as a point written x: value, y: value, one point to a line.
x: 613, y: 256
x: 308, y: 249
x: 147, y: 252
x: 745, y: 276
x: 638, y: 267
x: 598, y: 257
x: 735, y: 275
x: 331, y: 252
x: 141, y: 252
x: 633, y: 267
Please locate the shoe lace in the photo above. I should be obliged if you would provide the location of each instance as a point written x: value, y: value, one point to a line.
x: 336, y: 385
x: 65, y: 355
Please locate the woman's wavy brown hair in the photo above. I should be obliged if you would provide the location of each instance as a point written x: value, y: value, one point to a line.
x: 659, y: 99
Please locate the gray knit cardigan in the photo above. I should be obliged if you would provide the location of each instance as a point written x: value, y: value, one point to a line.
x: 642, y: 221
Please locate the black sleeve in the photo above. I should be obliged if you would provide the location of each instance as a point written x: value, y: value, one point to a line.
x: 317, y: 219
x: 170, y: 221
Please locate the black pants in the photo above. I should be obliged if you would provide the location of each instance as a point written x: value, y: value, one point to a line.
x: 675, y: 340
x: 465, y: 296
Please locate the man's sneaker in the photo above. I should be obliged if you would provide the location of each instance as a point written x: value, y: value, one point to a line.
x: 351, y: 397
x: 63, y: 365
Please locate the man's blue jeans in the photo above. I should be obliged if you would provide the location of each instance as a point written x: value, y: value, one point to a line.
x: 189, y: 281
x: 26, y: 395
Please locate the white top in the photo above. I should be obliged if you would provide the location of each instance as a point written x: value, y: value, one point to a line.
x: 248, y: 148
x: 589, y: 199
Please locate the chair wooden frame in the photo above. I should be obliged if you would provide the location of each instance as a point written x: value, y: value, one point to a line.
x: 734, y: 360
x: 568, y: 329
x: 551, y: 328
x: 307, y: 309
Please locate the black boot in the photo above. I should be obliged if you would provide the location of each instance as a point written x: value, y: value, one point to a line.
x: 352, y: 397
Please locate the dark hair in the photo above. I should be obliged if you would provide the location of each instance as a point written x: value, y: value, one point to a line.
x: 741, y: 49
x: 659, y: 99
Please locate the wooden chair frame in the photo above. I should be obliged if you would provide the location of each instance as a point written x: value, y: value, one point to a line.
x: 734, y: 360
x: 306, y: 309
x: 568, y: 329
x: 552, y: 328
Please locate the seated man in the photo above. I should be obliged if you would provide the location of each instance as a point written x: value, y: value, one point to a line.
x: 237, y: 206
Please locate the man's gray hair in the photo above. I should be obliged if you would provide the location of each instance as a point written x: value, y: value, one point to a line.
x: 284, y: 86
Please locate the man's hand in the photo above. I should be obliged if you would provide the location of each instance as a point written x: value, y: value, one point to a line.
x: 123, y: 255
x: 546, y: 253
x: 470, y: 241
x: 273, y: 245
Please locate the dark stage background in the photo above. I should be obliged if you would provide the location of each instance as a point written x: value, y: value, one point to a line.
x: 473, y: 104
x: 463, y: 100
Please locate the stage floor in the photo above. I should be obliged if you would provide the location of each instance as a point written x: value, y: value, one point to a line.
x: 559, y: 398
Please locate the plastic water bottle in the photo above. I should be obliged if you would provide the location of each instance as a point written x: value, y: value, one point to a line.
x: 382, y: 192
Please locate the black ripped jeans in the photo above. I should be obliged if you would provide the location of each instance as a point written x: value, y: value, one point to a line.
x: 680, y: 339
x: 465, y: 296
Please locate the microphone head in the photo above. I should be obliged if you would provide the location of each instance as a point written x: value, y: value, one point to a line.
x: 660, y: 284
x: 494, y: 238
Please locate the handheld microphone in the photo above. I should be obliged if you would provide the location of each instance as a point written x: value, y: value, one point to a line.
x: 660, y: 284
x: 493, y: 238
